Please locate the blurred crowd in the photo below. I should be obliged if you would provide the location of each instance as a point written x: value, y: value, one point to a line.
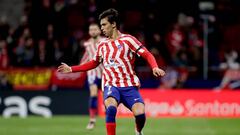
x: 52, y: 31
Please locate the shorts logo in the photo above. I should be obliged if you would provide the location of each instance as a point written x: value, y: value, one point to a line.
x: 136, y: 99
x: 109, y: 91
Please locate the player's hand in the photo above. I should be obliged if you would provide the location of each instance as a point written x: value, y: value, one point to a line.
x: 157, y: 72
x: 64, y: 68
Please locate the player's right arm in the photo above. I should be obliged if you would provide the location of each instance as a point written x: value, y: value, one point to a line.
x: 64, y: 68
x: 140, y: 50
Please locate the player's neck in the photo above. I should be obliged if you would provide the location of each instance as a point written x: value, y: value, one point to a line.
x: 115, y: 34
x: 95, y: 39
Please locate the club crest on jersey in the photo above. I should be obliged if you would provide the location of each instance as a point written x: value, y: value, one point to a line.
x: 119, y: 47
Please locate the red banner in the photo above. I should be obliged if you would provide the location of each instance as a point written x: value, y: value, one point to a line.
x: 29, y: 79
x: 185, y: 103
x: 69, y: 80
x: 42, y: 78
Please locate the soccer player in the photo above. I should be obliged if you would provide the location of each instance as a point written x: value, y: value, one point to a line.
x: 94, y: 75
x: 120, y: 83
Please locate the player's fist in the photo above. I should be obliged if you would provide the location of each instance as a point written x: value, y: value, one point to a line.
x: 64, y: 68
x: 158, y: 72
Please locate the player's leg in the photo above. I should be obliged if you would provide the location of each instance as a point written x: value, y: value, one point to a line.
x: 132, y: 99
x: 111, y: 98
x: 138, y: 110
x: 92, y: 106
x: 93, y: 87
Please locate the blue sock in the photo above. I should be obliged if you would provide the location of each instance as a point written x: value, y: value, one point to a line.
x: 111, y: 114
x: 140, y: 121
x: 93, y: 102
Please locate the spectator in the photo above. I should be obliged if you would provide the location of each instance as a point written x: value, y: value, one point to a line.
x: 19, y: 52
x: 5, y: 85
x: 57, y: 52
x: 175, y: 78
x: 42, y: 57
x: 3, y: 54
x: 170, y: 80
x: 181, y: 59
x: 175, y: 39
x: 4, y: 27
x: 231, y: 78
x: 28, y: 53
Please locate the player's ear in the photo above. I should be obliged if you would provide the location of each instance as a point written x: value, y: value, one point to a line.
x: 114, y: 25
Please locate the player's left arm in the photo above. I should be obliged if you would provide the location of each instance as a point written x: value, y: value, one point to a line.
x: 140, y: 50
x: 151, y: 61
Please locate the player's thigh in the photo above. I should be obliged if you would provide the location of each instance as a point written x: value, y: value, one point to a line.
x: 94, y: 84
x: 111, y: 96
x: 93, y: 89
x: 132, y: 99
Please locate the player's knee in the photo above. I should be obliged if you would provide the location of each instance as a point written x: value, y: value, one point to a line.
x: 138, y: 112
x: 93, y: 94
x: 110, y: 102
x: 138, y: 109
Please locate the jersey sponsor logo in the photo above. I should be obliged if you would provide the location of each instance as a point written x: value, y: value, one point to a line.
x: 113, y: 63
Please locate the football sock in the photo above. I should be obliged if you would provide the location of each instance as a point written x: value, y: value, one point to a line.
x: 110, y: 120
x: 140, y: 121
x: 93, y: 107
x: 111, y: 128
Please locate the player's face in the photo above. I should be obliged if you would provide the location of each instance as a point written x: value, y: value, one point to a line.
x: 106, y: 27
x: 94, y: 31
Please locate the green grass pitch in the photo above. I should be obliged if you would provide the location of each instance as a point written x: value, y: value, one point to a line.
x: 75, y: 125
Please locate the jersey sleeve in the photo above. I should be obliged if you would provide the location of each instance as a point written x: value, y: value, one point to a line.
x: 135, y: 45
x: 85, y: 67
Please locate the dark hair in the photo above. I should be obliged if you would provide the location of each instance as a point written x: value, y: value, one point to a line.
x: 112, y: 15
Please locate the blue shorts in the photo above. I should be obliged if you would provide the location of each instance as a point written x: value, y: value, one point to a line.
x: 126, y: 95
x: 95, y: 80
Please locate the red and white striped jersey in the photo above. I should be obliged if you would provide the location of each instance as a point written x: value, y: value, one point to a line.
x: 118, y: 58
x: 90, y: 50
